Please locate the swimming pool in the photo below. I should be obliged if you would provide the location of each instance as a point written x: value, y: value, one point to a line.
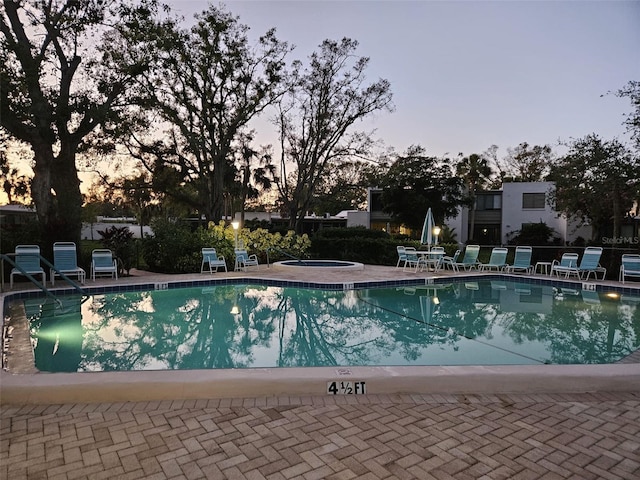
x: 466, y: 322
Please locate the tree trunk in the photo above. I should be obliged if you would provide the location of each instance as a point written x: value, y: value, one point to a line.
x: 56, y: 194
x: 472, y: 219
x: 217, y: 195
x: 66, y: 221
x: 617, y: 214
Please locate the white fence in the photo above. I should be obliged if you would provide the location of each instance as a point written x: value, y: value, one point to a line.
x: 90, y: 231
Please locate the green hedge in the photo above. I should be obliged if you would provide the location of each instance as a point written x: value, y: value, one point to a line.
x: 358, y: 244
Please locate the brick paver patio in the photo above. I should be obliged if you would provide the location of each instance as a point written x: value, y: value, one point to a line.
x: 569, y: 436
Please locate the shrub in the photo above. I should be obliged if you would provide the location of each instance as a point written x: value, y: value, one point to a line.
x: 172, y: 248
x: 13, y: 235
x: 176, y: 249
x: 534, y: 234
x: 120, y: 241
x: 279, y: 246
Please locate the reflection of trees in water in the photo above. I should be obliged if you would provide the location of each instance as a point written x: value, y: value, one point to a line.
x: 576, y: 332
x: 195, y: 328
x: 328, y: 328
x: 582, y: 333
x: 430, y: 317
x: 166, y: 329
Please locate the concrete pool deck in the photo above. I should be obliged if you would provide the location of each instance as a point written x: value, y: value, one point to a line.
x: 536, y: 422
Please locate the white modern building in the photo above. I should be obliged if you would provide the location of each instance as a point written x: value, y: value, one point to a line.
x: 499, y: 214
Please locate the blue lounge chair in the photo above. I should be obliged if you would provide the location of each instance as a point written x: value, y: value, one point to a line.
x: 630, y: 266
x: 470, y: 259
x: 449, y: 261
x: 402, y: 256
x: 498, y: 259
x: 103, y: 263
x: 211, y: 258
x: 65, y: 261
x: 244, y: 260
x: 589, y: 263
x: 567, y: 264
x: 521, y: 261
x: 411, y: 259
x: 27, y: 257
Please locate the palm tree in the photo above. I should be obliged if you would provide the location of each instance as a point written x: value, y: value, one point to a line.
x: 254, y: 177
x: 476, y: 173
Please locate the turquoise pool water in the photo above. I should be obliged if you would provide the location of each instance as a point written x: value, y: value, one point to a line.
x: 253, y: 326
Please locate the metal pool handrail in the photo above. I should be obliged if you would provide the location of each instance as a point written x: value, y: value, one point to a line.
x: 279, y: 250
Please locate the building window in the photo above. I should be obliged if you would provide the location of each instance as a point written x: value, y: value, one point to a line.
x: 533, y: 200
x: 376, y: 201
x: 489, y: 202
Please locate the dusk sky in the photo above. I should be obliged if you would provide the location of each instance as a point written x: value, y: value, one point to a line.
x: 469, y: 74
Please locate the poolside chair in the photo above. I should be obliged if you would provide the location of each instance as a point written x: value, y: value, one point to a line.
x: 244, y: 260
x: 449, y: 261
x: 630, y: 266
x: 402, y: 256
x: 27, y: 258
x: 65, y: 261
x: 103, y: 263
x: 411, y: 259
x: 567, y: 262
x: 433, y: 259
x: 589, y: 263
x: 521, y: 261
x: 211, y: 258
x: 470, y: 259
x: 498, y: 260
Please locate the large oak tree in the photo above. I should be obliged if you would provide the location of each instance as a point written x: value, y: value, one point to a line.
x: 416, y: 182
x: 53, y: 94
x: 596, y: 181
x: 208, y: 82
x: 330, y: 95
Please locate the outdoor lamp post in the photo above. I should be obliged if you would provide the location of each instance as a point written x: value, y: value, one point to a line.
x: 436, y: 232
x: 235, y: 224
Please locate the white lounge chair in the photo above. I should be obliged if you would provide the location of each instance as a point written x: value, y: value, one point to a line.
x: 244, y: 260
x: 65, y: 261
x: 589, y: 263
x: 211, y: 258
x: 27, y: 258
x: 103, y: 263
x: 521, y: 261
x: 567, y: 264
x: 411, y: 259
x: 402, y: 256
x: 498, y: 260
x: 450, y: 261
x: 470, y: 259
x: 630, y: 266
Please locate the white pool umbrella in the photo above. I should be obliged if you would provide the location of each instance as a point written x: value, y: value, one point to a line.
x: 427, y: 229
